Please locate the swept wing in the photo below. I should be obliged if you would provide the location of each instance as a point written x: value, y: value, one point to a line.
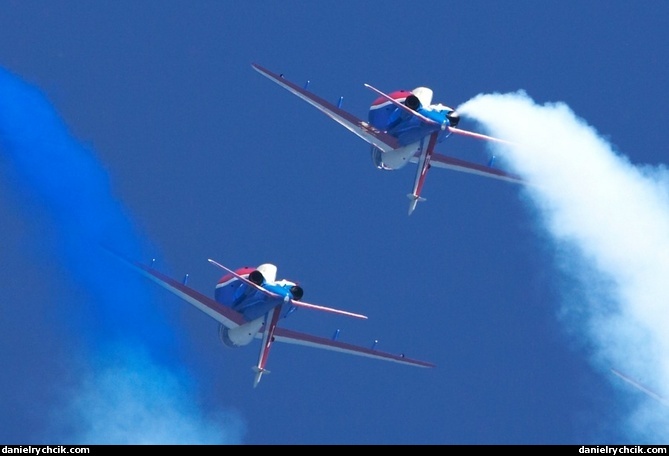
x: 364, y: 130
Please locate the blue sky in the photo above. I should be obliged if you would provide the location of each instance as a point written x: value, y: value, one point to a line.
x: 167, y: 143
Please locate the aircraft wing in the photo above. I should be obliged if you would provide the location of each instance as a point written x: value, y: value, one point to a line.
x: 231, y: 319
x: 294, y: 337
x: 224, y: 315
x: 364, y: 130
x: 444, y: 161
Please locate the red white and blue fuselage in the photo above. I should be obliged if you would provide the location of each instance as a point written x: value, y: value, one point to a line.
x: 251, y: 302
x: 402, y: 127
x: 406, y: 126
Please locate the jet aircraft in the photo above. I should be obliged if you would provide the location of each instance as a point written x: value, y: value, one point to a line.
x: 248, y: 304
x: 403, y: 127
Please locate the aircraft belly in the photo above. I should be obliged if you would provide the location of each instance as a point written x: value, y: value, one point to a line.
x: 245, y: 300
x: 257, y: 308
x: 234, y: 294
x: 242, y: 335
x: 395, y: 159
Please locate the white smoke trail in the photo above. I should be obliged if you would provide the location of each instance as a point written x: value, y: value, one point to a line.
x: 128, y: 399
x: 609, y: 222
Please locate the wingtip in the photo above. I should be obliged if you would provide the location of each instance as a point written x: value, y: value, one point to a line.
x: 259, y: 69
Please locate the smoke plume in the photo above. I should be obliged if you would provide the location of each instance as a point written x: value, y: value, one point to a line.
x: 607, y: 221
x: 124, y: 382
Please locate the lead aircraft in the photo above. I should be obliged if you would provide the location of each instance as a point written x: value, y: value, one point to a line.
x: 248, y: 304
x: 403, y: 127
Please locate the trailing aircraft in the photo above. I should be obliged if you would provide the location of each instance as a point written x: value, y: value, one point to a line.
x: 248, y: 304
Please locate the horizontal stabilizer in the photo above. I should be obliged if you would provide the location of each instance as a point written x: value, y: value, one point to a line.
x: 472, y: 134
x: 403, y: 106
x: 244, y: 279
x: 291, y: 301
x: 327, y: 309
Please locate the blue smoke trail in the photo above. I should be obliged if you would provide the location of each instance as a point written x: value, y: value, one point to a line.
x: 128, y: 352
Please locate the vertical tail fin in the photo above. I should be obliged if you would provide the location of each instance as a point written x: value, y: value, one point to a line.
x: 259, y: 374
x: 415, y: 199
